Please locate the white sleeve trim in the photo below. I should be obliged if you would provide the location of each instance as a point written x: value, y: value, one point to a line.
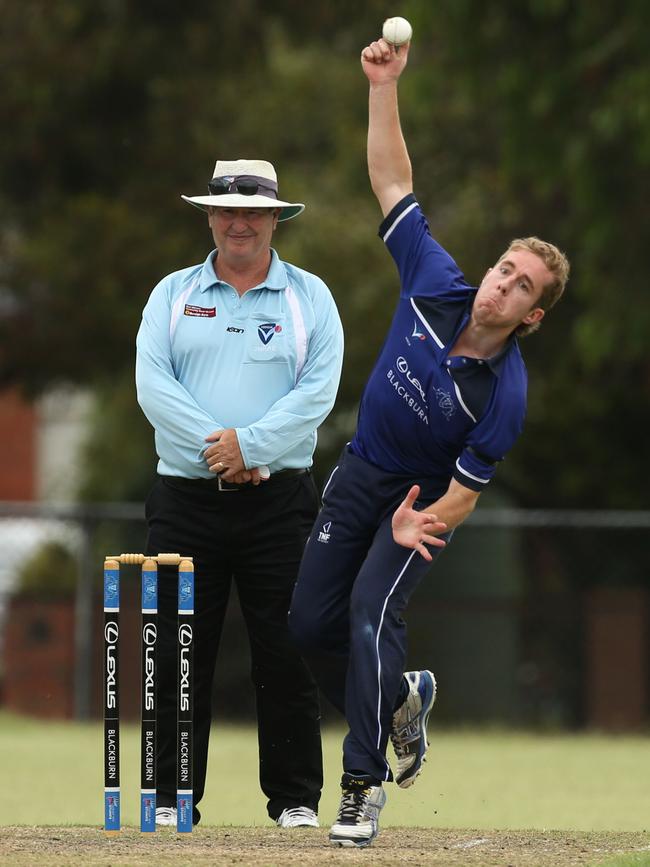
x: 469, y: 475
x: 398, y: 220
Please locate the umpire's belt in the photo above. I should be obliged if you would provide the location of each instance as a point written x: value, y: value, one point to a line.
x: 218, y: 484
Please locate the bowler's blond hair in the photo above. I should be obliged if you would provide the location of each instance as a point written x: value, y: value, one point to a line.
x: 558, y: 265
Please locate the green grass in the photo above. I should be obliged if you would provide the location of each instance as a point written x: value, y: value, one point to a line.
x: 641, y: 859
x: 52, y: 775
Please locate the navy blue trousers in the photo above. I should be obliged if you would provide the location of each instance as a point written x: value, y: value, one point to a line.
x: 346, y: 612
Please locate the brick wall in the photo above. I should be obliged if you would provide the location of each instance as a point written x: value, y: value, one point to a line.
x: 17, y: 456
x: 39, y: 657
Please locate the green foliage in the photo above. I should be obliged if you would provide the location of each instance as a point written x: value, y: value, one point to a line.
x: 50, y: 571
x: 119, y: 456
x: 521, y: 116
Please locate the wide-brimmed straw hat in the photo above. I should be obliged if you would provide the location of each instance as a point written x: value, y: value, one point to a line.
x: 245, y: 184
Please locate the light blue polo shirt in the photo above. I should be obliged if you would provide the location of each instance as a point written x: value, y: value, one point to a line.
x: 267, y: 364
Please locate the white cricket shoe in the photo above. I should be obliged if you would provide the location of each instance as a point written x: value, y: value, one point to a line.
x: 166, y: 816
x: 409, y: 731
x: 297, y: 817
x: 357, y: 822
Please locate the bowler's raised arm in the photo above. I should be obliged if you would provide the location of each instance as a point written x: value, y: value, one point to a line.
x: 389, y: 165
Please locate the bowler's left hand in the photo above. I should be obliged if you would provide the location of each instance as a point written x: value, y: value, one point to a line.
x: 224, y: 457
x: 413, y: 529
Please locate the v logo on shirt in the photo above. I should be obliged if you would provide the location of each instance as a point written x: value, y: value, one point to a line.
x: 266, y: 331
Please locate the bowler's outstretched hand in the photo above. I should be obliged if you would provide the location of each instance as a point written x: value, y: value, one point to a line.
x: 414, y: 529
x: 381, y: 62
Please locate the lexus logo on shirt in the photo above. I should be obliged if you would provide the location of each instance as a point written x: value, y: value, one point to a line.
x: 403, y: 366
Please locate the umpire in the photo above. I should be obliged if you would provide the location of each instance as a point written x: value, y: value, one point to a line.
x: 238, y: 362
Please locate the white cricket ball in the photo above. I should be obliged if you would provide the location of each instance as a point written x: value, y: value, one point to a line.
x: 265, y: 472
x: 397, y: 31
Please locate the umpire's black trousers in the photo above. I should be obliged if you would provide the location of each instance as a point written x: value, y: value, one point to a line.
x: 254, y: 536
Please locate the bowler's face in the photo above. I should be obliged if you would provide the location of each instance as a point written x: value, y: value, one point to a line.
x: 510, y: 292
x: 243, y: 235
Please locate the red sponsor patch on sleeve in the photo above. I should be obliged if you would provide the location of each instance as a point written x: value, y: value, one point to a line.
x: 193, y: 310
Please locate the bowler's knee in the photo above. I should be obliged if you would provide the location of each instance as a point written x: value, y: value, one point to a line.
x: 307, y: 631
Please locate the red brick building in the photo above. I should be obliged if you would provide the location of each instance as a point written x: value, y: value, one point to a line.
x: 18, y: 423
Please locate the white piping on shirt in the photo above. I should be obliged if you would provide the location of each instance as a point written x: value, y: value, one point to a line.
x: 426, y: 325
x: 179, y: 305
x: 460, y: 399
x: 299, y: 330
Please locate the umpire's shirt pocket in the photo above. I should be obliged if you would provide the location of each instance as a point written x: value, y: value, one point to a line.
x: 268, y: 362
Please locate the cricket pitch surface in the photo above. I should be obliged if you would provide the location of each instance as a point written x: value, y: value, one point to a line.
x: 215, y: 846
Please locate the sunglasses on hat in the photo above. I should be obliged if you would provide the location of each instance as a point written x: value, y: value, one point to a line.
x: 245, y: 186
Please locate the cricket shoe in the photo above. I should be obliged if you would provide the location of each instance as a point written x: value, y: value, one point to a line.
x: 357, y: 822
x: 409, y: 731
x: 297, y: 817
x: 166, y: 816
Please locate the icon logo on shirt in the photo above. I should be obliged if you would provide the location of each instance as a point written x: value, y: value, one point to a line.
x: 324, y: 535
x: 204, y: 312
x: 267, y: 330
x: 233, y: 330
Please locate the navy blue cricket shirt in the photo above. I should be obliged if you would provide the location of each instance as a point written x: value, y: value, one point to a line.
x: 423, y: 413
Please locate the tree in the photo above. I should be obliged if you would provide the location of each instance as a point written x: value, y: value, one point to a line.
x: 521, y: 117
